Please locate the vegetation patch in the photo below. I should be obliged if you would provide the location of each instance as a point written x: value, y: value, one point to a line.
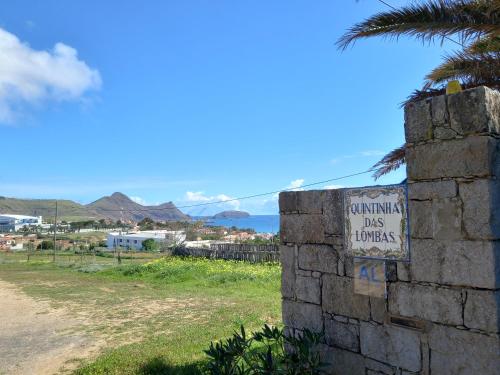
x: 150, y: 316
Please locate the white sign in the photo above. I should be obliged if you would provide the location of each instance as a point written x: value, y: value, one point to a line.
x: 376, y: 222
x: 369, y: 277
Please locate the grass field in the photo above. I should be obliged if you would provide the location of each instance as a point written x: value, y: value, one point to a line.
x: 153, y: 315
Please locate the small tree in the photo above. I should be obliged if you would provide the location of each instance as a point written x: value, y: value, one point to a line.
x: 46, y: 245
x: 150, y: 245
x: 146, y: 224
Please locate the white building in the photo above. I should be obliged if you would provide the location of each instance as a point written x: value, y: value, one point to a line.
x: 13, y: 223
x: 133, y: 240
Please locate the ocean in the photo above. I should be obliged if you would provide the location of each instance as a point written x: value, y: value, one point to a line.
x: 260, y: 223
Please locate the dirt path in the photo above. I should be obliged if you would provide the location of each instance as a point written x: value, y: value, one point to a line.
x: 35, y: 338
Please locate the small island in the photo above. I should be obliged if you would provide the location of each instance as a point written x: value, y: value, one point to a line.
x: 231, y: 215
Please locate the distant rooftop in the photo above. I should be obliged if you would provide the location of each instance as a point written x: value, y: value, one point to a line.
x: 18, y: 216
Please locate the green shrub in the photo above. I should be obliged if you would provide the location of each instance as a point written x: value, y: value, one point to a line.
x: 202, y: 271
x: 264, y: 353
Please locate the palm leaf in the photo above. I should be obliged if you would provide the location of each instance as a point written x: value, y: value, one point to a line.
x: 390, y: 162
x: 430, y: 20
x: 479, y: 68
x: 485, y: 45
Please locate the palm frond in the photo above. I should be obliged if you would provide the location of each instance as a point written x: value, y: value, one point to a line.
x: 433, y: 19
x: 478, y: 68
x: 488, y: 44
x: 390, y: 162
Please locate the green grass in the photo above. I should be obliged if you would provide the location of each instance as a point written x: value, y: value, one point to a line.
x: 158, y: 315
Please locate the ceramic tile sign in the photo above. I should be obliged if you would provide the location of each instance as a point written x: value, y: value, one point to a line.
x: 369, y: 277
x: 376, y: 222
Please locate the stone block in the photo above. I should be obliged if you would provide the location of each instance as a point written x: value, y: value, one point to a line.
x: 460, y: 263
x: 436, y: 304
x: 420, y: 219
x: 321, y: 258
x: 300, y: 229
x: 418, y: 121
x: 342, y: 362
x: 338, y: 298
x: 307, y: 289
x: 348, y: 261
x: 404, y: 271
x: 438, y: 218
x: 444, y: 133
x: 377, y: 368
x: 334, y: 240
x: 302, y: 315
x: 398, y: 346
x: 310, y: 202
x: 287, y: 258
x: 303, y: 273
x: 447, y: 219
x: 342, y: 335
x: 428, y: 190
x: 467, y: 157
x: 439, y: 112
x: 462, y: 352
x: 333, y: 211
x: 288, y: 202
x: 378, y: 309
x: 475, y: 111
x: 482, y: 310
x: 481, y: 209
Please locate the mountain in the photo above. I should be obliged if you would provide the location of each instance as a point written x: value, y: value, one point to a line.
x: 120, y: 207
x: 66, y: 209
x: 115, y: 207
x: 231, y: 215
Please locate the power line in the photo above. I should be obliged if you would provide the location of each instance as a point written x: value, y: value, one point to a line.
x: 233, y: 199
x: 445, y: 37
x: 240, y: 198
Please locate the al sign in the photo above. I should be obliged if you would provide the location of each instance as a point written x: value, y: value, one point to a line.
x: 376, y: 222
x: 369, y: 277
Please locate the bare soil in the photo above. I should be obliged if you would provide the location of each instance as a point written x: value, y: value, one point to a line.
x: 36, y: 338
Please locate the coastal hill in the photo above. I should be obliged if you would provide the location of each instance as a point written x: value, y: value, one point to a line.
x: 115, y: 207
x: 231, y: 215
x: 67, y: 210
x: 120, y: 207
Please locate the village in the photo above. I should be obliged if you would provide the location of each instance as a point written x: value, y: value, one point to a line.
x: 27, y: 233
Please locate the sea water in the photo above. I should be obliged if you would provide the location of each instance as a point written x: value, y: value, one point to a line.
x: 259, y: 223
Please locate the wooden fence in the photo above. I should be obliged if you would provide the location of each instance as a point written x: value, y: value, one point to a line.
x: 250, y: 253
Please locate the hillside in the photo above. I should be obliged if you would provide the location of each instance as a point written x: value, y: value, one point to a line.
x: 67, y: 209
x: 120, y: 207
x: 115, y: 207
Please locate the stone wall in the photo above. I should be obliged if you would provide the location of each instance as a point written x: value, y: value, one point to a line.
x: 442, y: 314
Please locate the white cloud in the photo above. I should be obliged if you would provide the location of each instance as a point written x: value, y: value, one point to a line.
x: 296, y: 184
x: 225, y: 202
x: 330, y: 187
x: 365, y: 153
x: 30, y: 77
x: 197, y: 196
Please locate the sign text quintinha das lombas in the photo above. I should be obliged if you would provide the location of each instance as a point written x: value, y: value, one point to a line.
x: 376, y: 222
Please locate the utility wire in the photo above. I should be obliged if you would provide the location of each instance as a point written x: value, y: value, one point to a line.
x: 232, y: 199
x: 238, y: 199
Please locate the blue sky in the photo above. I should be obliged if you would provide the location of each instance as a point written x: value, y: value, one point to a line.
x: 193, y: 101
